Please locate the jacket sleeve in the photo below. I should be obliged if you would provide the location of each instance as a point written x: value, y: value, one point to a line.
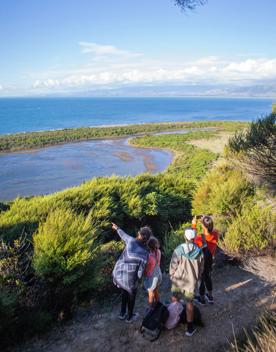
x: 141, y: 269
x: 124, y: 236
x: 173, y: 264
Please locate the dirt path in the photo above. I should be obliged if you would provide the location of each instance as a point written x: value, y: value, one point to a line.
x: 240, y: 293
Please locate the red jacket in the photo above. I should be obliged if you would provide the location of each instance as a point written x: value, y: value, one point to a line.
x: 211, y: 241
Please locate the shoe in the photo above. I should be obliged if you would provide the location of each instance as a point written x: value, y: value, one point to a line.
x: 133, y: 318
x: 210, y: 299
x: 190, y: 331
x: 200, y: 300
x: 122, y: 316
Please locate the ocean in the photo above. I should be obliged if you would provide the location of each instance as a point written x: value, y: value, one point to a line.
x: 36, y: 114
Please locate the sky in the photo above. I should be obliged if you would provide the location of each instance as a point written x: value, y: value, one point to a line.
x: 145, y: 47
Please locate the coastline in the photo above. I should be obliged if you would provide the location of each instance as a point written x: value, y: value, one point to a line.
x: 37, y: 140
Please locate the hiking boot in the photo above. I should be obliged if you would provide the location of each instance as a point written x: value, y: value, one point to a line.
x: 210, y: 299
x: 122, y: 316
x: 133, y: 318
x: 200, y: 300
x: 191, y: 330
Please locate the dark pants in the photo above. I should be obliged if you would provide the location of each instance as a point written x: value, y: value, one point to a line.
x: 128, y: 302
x: 206, y: 280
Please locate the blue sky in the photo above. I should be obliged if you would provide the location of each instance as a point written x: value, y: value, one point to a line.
x: 75, y: 46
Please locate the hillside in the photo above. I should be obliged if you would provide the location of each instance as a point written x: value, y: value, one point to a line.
x: 242, y: 293
x: 58, y: 251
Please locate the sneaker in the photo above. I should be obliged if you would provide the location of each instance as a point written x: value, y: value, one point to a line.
x: 200, y: 300
x: 209, y: 298
x: 122, y: 316
x: 190, y: 331
x: 133, y: 318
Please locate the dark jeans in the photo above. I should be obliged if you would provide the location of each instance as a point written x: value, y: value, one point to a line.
x: 206, y: 280
x: 128, y: 301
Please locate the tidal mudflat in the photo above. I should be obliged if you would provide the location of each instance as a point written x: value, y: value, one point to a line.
x: 51, y: 169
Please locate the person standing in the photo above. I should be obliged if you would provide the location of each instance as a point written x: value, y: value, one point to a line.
x: 186, y: 268
x: 130, y: 268
x: 211, y: 238
x: 153, y: 274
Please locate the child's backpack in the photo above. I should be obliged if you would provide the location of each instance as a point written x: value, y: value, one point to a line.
x: 197, y: 316
x: 154, y: 321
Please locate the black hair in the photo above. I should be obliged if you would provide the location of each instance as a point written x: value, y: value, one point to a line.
x: 145, y: 233
x: 153, y: 244
x: 207, y: 222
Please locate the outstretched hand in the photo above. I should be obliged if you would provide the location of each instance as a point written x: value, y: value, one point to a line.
x: 194, y: 221
x: 114, y: 226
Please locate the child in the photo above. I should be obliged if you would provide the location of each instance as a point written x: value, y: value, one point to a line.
x: 153, y: 275
x: 129, y: 269
x: 211, y: 237
x: 186, y: 268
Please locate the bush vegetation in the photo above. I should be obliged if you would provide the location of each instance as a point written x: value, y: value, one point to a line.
x: 73, y: 249
x: 253, y: 149
x: 31, y: 140
x: 243, y: 212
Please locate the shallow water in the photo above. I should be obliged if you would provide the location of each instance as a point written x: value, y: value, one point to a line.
x: 51, y: 169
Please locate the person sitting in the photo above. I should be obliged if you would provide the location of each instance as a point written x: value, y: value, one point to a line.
x: 186, y: 268
x: 153, y: 274
x: 211, y: 238
x: 129, y: 268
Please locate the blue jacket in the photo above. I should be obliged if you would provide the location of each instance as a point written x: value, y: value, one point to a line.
x: 131, y: 264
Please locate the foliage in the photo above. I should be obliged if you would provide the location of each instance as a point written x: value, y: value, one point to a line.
x: 190, y: 162
x: 263, y: 337
x: 63, y: 248
x: 100, y: 272
x: 31, y: 140
x: 172, y: 240
x: 189, y: 4
x: 133, y: 202
x: 222, y: 193
x: 253, y: 229
x: 17, y: 320
x: 74, y: 247
x: 253, y: 149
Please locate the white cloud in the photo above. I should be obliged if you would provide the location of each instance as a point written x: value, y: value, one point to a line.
x: 99, y: 50
x: 109, y: 66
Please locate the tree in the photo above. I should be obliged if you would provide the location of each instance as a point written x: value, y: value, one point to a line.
x: 189, y: 4
x: 254, y: 149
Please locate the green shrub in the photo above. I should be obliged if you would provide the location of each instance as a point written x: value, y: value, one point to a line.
x: 99, y: 278
x: 62, y: 246
x: 221, y: 194
x: 253, y: 229
x: 8, y: 316
x: 62, y: 254
x: 253, y: 150
x: 171, y: 241
x: 17, y: 321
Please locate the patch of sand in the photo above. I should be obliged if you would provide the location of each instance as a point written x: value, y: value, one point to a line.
x: 125, y: 156
x: 215, y: 144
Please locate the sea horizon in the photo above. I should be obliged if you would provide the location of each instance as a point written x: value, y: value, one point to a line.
x: 33, y: 114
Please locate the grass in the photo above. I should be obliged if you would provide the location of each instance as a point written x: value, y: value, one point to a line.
x: 262, y: 338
